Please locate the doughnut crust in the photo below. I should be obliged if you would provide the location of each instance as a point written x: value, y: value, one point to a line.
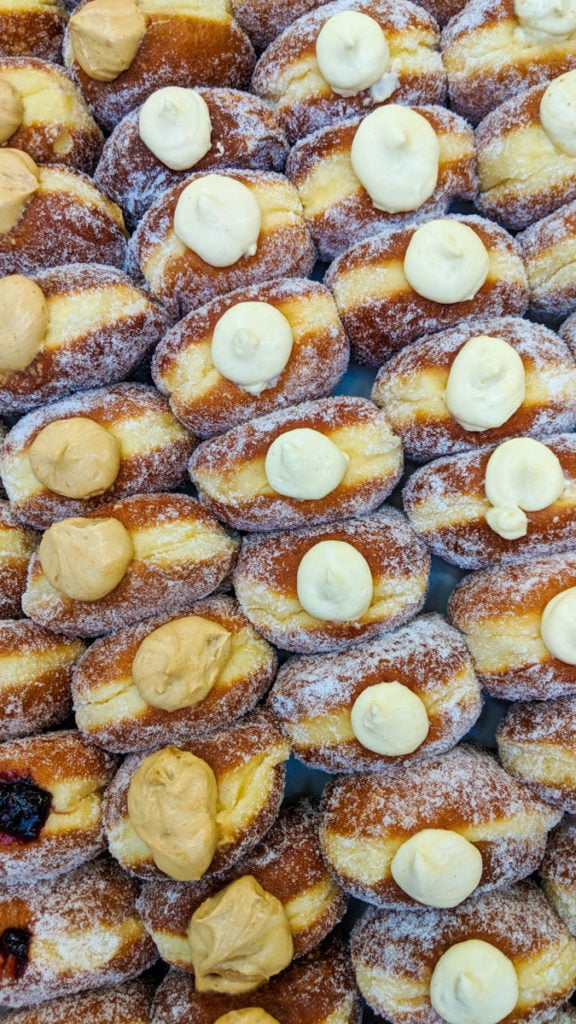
x: 338, y: 208
x: 381, y: 312
x: 288, y: 77
x: 365, y: 819
x: 244, y: 133
x: 549, y: 251
x: 446, y: 505
x: 313, y: 696
x: 17, y: 544
x: 209, y: 403
x: 154, y: 449
x: 229, y: 474
x: 411, y: 388
x: 537, y: 743
x: 183, y: 281
x: 265, y: 581
x: 394, y: 965
x: 558, y: 871
x: 33, y: 27
x: 181, y: 553
x: 110, y: 709
x: 84, y: 934
x: 123, y: 1004
x: 263, y: 20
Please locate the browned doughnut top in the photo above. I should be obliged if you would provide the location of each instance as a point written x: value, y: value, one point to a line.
x: 124, y: 1004
x: 537, y: 743
x: 547, y: 248
x: 33, y: 27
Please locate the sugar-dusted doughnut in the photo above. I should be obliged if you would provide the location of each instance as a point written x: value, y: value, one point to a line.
x: 275, y: 242
x: 536, y: 968
x: 165, y: 550
x: 113, y: 704
x: 314, y: 698
x: 537, y: 743
x: 209, y: 402
x: 267, y: 475
x: 558, y: 870
x: 203, y: 44
x: 447, y: 504
x: 422, y: 395
x: 378, y: 564
x: 247, y: 760
x: 409, y: 68
x: 243, y: 133
x: 547, y: 248
x: 263, y: 20
x: 382, y: 311
x: 17, y: 544
x: 62, y: 938
x: 130, y: 1003
x: 32, y: 27
x: 74, y: 455
x: 340, y: 173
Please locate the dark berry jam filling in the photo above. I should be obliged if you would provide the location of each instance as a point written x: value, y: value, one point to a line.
x: 24, y: 808
x: 14, y: 946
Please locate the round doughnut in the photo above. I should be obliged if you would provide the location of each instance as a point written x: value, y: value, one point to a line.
x: 263, y: 20
x: 32, y: 27
x: 547, y: 248
x: 124, y: 1004
x: 537, y: 743
x: 558, y: 871
x: 17, y: 546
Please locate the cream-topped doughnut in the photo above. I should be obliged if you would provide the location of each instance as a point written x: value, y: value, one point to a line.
x: 537, y: 743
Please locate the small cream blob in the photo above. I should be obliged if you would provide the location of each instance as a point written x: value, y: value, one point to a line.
x: 486, y: 383
x: 334, y: 582
x: 11, y: 110
x: 105, y: 36
x: 250, y: 1015
x: 251, y: 345
x: 85, y: 559
x: 547, y: 17
x: 219, y: 219
x: 522, y: 474
x: 396, y: 155
x: 75, y: 457
x: 558, y: 626
x: 389, y: 718
x: 174, y: 124
x: 474, y: 983
x: 19, y: 180
x: 352, y: 52
x: 23, y: 322
x: 446, y: 261
x: 558, y: 112
x: 437, y: 867
x: 304, y: 464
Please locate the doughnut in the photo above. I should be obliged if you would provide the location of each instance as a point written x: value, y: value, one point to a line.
x: 17, y: 544
x: 422, y: 395
x: 166, y: 549
x: 447, y: 505
x: 209, y: 402
x: 58, y: 938
x: 536, y: 969
x: 381, y: 311
x: 394, y: 838
x: 287, y: 864
x: 557, y: 871
x: 244, y: 134
x: 345, y: 464
x: 314, y: 698
x: 51, y: 120
x: 537, y: 743
x: 548, y: 248
x: 339, y: 205
x: 318, y: 988
x: 32, y: 27
x: 183, y: 279
x: 408, y: 69
x: 247, y: 760
x: 204, y: 44
x: 501, y: 613
x: 99, y: 326
x: 381, y: 544
x: 119, y: 440
x: 113, y: 710
x: 123, y: 1004
x: 36, y: 673
x: 263, y: 20
x: 51, y: 792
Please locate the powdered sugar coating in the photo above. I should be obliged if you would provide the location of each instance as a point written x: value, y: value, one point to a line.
x: 129, y: 1003
x: 547, y: 250
x: 27, y: 30
x: 263, y: 20
x: 537, y: 743
x: 17, y: 546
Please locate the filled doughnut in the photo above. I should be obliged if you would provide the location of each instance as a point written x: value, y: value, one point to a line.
x: 558, y: 871
x: 32, y: 27
x: 547, y: 248
x: 537, y: 743
x: 17, y: 545
x: 263, y: 20
x: 130, y: 1003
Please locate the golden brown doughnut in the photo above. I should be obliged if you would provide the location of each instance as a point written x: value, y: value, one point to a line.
x: 537, y: 743
x: 17, y: 546
x: 547, y: 248
x: 263, y: 20
x: 124, y: 1004
x: 32, y: 27
x: 558, y: 871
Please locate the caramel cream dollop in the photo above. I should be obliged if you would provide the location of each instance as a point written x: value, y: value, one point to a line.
x: 219, y: 219
x: 558, y: 112
x: 85, y: 559
x: 239, y: 938
x: 474, y: 983
x: 389, y: 718
x: 556, y: 18
x: 446, y: 261
x: 177, y: 664
x: 334, y: 582
x: 251, y: 345
x: 105, y: 36
x: 174, y: 123
x: 558, y: 626
x: 522, y: 475
x: 23, y: 322
x: 19, y: 179
x: 172, y: 805
x: 304, y: 464
x: 486, y: 383
x: 76, y: 457
x: 250, y: 1015
x: 437, y: 867
x: 352, y: 52
x: 11, y: 110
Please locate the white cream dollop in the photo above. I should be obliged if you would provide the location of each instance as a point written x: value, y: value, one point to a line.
x: 437, y: 867
x: 522, y: 475
x: 558, y: 626
x: 352, y: 52
x: 555, y: 18
x: 247, y: 1015
x: 446, y: 261
x: 474, y: 983
x: 558, y: 112
x: 304, y: 464
x: 334, y: 582
x: 486, y: 383
x: 251, y: 345
x: 389, y: 718
x: 219, y: 219
x: 174, y: 123
x: 395, y: 155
